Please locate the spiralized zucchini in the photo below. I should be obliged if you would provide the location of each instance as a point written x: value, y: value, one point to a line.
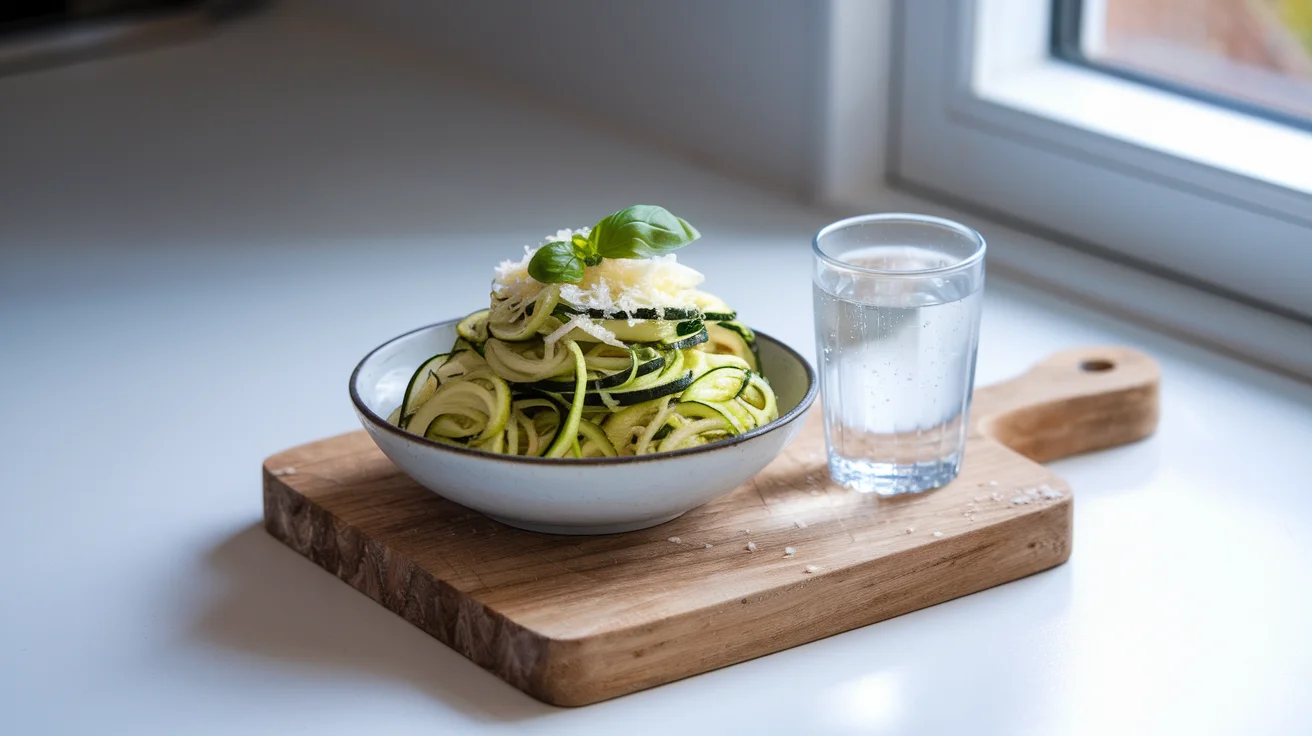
x: 536, y: 375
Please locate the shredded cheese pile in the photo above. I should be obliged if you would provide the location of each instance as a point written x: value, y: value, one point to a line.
x: 615, y: 284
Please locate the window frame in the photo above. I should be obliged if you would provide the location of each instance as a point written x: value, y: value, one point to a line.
x: 985, y: 116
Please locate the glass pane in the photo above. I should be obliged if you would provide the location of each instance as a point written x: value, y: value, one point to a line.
x: 1254, y: 51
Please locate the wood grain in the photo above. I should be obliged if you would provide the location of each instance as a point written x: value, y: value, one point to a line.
x: 575, y: 620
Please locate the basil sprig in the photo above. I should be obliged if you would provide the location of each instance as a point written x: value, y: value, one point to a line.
x: 640, y: 231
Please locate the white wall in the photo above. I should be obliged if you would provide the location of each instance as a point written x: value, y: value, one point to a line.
x: 743, y: 85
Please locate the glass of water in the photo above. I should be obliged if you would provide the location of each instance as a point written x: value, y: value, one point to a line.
x: 897, y: 308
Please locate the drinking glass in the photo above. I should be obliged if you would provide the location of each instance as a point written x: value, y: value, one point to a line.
x: 897, y: 309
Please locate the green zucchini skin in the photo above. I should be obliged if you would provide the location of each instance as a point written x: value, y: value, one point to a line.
x: 609, y: 381
x: 628, y: 398
x: 667, y: 314
x: 690, y: 341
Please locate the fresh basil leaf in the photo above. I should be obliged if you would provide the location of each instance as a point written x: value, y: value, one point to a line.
x: 641, y: 231
x: 556, y: 263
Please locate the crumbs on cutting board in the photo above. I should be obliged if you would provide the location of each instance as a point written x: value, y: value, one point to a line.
x: 938, y: 533
x: 789, y: 551
x: 1037, y: 493
x: 812, y: 569
x: 751, y: 546
x: 289, y: 470
x: 676, y: 540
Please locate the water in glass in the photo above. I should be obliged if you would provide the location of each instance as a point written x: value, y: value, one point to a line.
x: 897, y: 358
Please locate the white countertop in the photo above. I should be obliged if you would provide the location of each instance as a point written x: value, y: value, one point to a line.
x: 198, y: 243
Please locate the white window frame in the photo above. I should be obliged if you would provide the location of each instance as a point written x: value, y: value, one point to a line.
x: 1207, y: 196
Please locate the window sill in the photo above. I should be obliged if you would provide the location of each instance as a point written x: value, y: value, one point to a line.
x: 1256, y: 151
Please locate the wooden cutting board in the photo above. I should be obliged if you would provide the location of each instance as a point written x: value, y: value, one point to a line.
x: 575, y: 620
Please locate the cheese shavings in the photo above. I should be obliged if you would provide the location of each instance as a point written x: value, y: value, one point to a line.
x: 585, y: 324
x: 613, y: 285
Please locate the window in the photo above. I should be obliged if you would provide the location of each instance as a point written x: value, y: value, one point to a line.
x: 1050, y: 114
x: 1254, y: 55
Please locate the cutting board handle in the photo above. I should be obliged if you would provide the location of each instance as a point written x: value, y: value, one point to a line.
x: 1073, y: 402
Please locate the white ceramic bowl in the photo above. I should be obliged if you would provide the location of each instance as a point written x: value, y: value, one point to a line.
x: 573, y: 496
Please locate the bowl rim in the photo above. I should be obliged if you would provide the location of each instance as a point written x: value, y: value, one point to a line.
x: 812, y: 390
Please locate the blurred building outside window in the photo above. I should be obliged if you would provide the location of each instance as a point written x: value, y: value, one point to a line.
x: 1254, y: 53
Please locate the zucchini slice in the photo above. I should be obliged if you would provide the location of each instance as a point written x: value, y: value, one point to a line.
x: 731, y: 338
x: 421, y: 387
x: 476, y: 407
x: 691, y: 341
x: 525, y: 362
x: 461, y: 363
x: 567, y: 435
x: 593, y: 441
x: 600, y: 382
x: 463, y: 344
x: 695, y: 410
x: 474, y: 327
x: 643, y: 331
x: 631, y: 429
x: 527, y: 324
x: 759, y: 400
x: 670, y: 314
x: 717, y: 385
x: 697, y: 432
x: 635, y: 396
x: 713, y: 307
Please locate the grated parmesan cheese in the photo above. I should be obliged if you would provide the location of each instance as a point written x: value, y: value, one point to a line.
x: 584, y: 323
x: 614, y: 285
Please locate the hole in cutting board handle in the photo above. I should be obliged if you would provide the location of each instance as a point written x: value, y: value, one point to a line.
x: 1097, y: 366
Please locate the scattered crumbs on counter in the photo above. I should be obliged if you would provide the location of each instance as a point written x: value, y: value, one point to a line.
x: 747, y: 531
x: 970, y: 518
x: 789, y: 551
x: 284, y: 471
x: 751, y: 546
x: 676, y: 540
x: 708, y: 545
x: 938, y: 533
x: 812, y: 569
x: 993, y: 482
x: 910, y: 529
x: 995, y: 496
x: 799, y: 524
x: 1022, y: 500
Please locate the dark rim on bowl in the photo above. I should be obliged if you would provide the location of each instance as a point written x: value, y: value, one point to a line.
x: 812, y: 389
